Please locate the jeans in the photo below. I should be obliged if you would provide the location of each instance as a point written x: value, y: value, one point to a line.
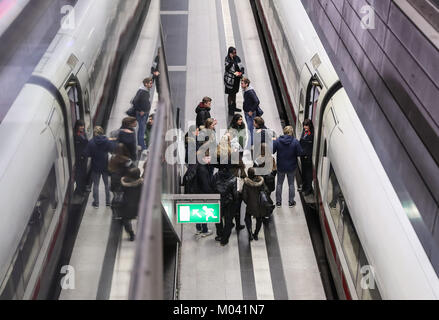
x: 141, y: 120
x: 202, y: 227
x: 250, y: 126
x: 280, y: 182
x: 96, y: 176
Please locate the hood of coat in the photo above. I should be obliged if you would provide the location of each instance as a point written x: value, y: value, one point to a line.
x: 256, y: 183
x: 143, y: 88
x: 100, y: 140
x: 127, y: 183
x: 286, y: 140
x: 249, y: 88
x: 202, y: 107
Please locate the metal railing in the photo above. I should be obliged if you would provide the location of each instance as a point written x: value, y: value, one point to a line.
x: 147, y: 282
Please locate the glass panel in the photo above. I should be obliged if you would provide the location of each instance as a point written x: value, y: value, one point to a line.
x: 333, y: 199
x: 351, y: 243
x: 39, y: 223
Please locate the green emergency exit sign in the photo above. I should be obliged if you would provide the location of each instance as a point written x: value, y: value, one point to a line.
x: 199, y: 213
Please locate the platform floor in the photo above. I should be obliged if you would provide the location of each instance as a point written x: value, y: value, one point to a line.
x: 103, y: 256
x: 282, y: 264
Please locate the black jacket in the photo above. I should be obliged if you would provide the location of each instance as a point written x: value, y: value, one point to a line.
x: 250, y: 195
x: 251, y: 100
x: 129, y: 140
x: 141, y: 101
x: 231, y: 81
x: 226, y: 185
x: 118, y: 167
x: 190, y: 180
x: 81, y: 143
x: 203, y: 114
x: 205, y: 181
x: 307, y: 144
x: 98, y: 149
x: 131, y: 198
x: 270, y: 170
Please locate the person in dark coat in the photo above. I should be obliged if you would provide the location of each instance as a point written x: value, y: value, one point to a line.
x: 232, y: 77
x: 250, y: 194
x: 251, y: 104
x: 225, y: 184
x: 98, y: 149
x: 132, y: 185
x: 119, y: 165
x: 142, y: 105
x: 307, y: 143
x: 191, y: 145
x: 203, y: 111
x: 148, y: 130
x: 155, y: 71
x: 265, y: 166
x: 81, y: 143
x: 288, y: 149
x: 205, y: 185
x: 127, y: 136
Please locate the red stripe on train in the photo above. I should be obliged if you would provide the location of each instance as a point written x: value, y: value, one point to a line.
x: 331, y: 242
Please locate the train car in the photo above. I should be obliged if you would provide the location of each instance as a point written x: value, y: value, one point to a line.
x: 371, y: 245
x: 37, y: 154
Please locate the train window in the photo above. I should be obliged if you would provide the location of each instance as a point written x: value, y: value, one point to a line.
x: 38, y: 225
x: 74, y: 104
x: 312, y: 106
x: 334, y: 197
x: 351, y: 243
x: 14, y: 287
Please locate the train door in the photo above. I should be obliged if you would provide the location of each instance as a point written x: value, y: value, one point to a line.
x: 77, y: 105
x: 328, y: 126
x: 82, y: 78
x: 308, y: 102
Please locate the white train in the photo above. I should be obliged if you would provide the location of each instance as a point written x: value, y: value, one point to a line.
x: 37, y: 156
x: 372, y: 248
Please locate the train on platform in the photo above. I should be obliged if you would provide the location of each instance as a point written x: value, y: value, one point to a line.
x: 372, y: 248
x: 73, y: 80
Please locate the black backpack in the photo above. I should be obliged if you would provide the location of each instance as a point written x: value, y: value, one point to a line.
x: 264, y: 202
x: 189, y: 179
x: 270, y: 182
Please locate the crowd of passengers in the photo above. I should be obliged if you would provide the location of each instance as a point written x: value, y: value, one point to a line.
x: 115, y: 158
x: 234, y: 181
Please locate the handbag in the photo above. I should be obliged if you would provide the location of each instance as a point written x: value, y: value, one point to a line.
x: 259, y: 112
x: 131, y: 112
x: 265, y: 203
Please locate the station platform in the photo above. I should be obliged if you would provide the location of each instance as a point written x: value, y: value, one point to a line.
x: 103, y: 256
x: 282, y: 264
